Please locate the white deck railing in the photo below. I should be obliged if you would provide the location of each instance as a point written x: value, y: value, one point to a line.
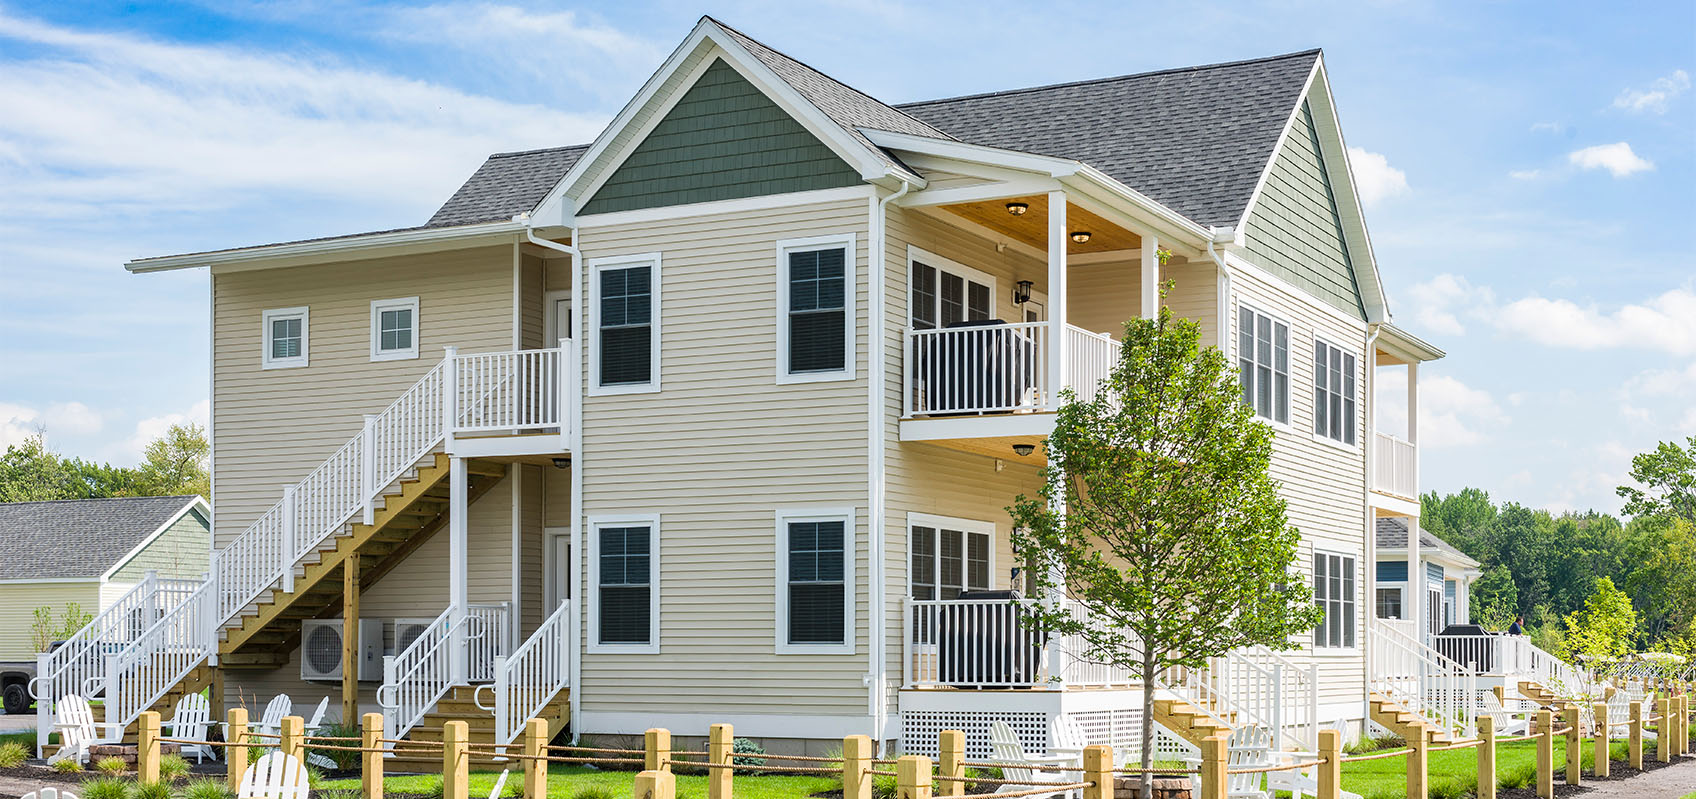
x: 160, y: 657
x: 488, y: 638
x: 1269, y: 689
x: 988, y: 643
x: 1422, y: 680
x: 998, y: 368
x: 500, y: 391
x: 527, y: 680
x: 1395, y: 467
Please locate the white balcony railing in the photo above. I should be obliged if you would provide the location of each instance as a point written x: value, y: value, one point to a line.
x: 988, y: 643
x: 1395, y: 467
x: 998, y: 368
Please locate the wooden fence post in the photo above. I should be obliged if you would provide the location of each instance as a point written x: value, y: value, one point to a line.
x: 1419, y: 761
x: 1663, y: 731
x: 1098, y: 772
x: 1330, y: 775
x: 656, y: 750
x: 654, y: 784
x: 1604, y: 737
x: 1681, y: 725
x: 456, y: 778
x: 371, y: 756
x: 721, y: 740
x: 235, y: 753
x: 290, y: 742
x: 535, y: 768
x: 1486, y: 757
x: 1213, y: 766
x: 1574, y: 748
x: 951, y: 751
x: 147, y: 748
x: 856, y: 761
x: 1545, y: 754
x: 912, y: 777
x: 1635, y: 755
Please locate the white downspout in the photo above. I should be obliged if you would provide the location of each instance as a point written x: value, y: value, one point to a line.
x: 876, y: 523
x: 575, y: 443
x: 1369, y: 442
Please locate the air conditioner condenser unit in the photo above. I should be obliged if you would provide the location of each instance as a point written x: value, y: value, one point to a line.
x: 321, y: 649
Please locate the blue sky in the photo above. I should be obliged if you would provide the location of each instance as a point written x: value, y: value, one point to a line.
x: 1528, y: 170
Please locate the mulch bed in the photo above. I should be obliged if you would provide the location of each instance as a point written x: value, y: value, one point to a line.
x: 1617, y: 770
x: 45, y: 774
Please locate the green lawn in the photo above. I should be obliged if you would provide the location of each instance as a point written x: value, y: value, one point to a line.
x: 1454, y: 772
x: 566, y: 782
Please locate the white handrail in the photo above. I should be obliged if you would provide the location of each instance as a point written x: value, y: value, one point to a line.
x: 1091, y: 357
x: 1423, y: 680
x: 535, y: 673
x: 982, y: 643
x: 159, y: 658
x: 1395, y: 468
x: 1271, y: 690
x: 488, y: 635
x: 415, y: 679
x: 998, y: 368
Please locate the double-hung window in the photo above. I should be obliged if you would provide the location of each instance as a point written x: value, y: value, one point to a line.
x: 1263, y: 358
x: 624, y: 564
x: 815, y: 309
x: 945, y: 293
x: 815, y: 580
x: 394, y: 329
x: 1333, y: 393
x: 626, y: 308
x: 1333, y: 592
x: 948, y: 556
x: 284, y: 331
x: 1389, y: 603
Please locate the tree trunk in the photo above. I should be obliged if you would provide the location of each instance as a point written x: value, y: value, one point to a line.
x: 1147, y: 787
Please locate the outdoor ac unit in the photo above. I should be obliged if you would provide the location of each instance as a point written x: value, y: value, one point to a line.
x: 321, y: 649
x: 408, y: 630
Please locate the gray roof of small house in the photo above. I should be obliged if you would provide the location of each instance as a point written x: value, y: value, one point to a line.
x: 1392, y: 534
x: 507, y: 184
x: 78, y: 537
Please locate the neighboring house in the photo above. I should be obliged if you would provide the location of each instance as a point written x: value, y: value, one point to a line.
x: 1443, y: 577
x: 89, y: 552
x: 716, y: 418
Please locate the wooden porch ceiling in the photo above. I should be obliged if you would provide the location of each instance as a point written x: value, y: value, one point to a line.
x: 1031, y: 227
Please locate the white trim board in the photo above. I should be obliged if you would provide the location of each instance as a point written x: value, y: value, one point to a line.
x: 763, y: 202
x: 194, y: 504
x: 397, y: 304
x: 653, y: 261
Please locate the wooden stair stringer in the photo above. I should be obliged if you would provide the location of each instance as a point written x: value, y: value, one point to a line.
x: 1408, y: 724
x: 1186, y: 721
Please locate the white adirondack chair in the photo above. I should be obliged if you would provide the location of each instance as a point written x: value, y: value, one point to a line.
x: 1619, y: 709
x: 1507, y: 722
x: 75, y: 725
x: 271, y: 723
x: 49, y: 793
x: 191, y: 719
x: 1007, y: 749
x: 499, y: 784
x: 275, y: 776
x: 1250, y: 747
x: 317, y: 719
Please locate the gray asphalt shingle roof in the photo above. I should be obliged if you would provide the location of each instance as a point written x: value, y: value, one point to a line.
x: 507, y: 184
x: 1194, y: 139
x: 77, y: 537
x: 1392, y: 534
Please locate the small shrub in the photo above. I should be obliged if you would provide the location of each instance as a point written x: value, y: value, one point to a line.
x: 344, y: 760
x: 151, y: 790
x: 1457, y: 788
x: 111, y: 766
x: 315, y: 776
x: 745, y: 746
x: 206, y: 789
x: 13, y: 754
x: 68, y: 766
x: 434, y: 789
x: 1518, y: 778
x: 338, y: 793
x: 106, y: 788
x: 172, y: 768
x: 883, y: 787
x: 597, y: 792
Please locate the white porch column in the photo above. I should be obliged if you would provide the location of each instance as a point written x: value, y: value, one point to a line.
x: 1150, y: 276
x: 458, y: 551
x: 1413, y: 402
x: 1058, y: 236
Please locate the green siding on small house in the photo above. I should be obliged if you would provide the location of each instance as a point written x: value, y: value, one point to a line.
x: 184, y: 550
x: 1295, y: 231
x: 723, y: 140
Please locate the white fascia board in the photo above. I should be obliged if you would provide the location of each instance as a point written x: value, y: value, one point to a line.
x: 367, y: 246
x: 972, y: 153
x: 1406, y: 345
x: 195, y: 504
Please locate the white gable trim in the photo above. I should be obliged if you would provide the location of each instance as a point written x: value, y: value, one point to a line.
x: 195, y: 504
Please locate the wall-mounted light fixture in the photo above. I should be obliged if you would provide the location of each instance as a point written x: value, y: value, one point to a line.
x: 1018, y: 209
x: 1080, y: 236
x: 562, y: 463
x: 1022, y: 292
x: 1023, y: 450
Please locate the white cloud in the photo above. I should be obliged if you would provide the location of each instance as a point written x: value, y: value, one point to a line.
x: 1547, y: 127
x: 18, y: 422
x: 1525, y: 174
x: 1654, y: 99
x: 1665, y: 323
x: 1375, y: 178
x: 153, y: 427
x: 1451, y: 413
x: 1440, y: 302
x: 1617, y: 158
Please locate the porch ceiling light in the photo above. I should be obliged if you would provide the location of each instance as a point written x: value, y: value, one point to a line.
x: 562, y: 463
x: 1018, y: 209
x: 1022, y: 292
x: 1080, y: 236
x: 1023, y: 450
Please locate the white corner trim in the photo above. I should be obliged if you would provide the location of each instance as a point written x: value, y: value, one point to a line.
x: 397, y: 304
x: 592, y: 592
x: 655, y: 319
x: 783, y: 516
x: 843, y: 241
x: 299, y: 361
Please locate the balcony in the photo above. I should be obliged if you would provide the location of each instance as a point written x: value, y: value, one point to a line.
x: 1395, y: 467
x: 990, y: 644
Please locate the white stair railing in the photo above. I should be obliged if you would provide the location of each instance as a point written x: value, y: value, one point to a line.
x: 530, y: 678
x: 420, y: 675
x: 1422, y: 680
x: 488, y: 638
x: 1268, y: 689
x: 160, y: 657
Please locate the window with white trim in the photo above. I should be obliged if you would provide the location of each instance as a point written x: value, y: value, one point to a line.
x: 626, y: 311
x: 944, y: 293
x: 1333, y: 393
x: 1333, y: 592
x: 394, y: 329
x: 624, y: 570
x: 1263, y: 358
x: 1389, y: 603
x: 815, y: 568
x: 815, y: 309
x: 285, y: 338
x: 948, y: 556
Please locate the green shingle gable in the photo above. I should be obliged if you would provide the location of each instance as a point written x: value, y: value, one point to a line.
x: 1295, y: 230
x: 723, y: 140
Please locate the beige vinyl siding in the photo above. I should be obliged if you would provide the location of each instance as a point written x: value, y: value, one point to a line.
x: 183, y: 550
x: 716, y: 454
x: 1195, y: 295
x: 1323, y: 484
x: 18, y: 602
x: 532, y: 562
x: 1100, y: 297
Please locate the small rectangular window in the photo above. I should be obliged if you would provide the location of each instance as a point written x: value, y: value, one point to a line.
x: 1333, y: 592
x: 1333, y: 393
x: 394, y: 329
x: 285, y: 338
x: 815, y: 309
x: 816, y: 586
x: 1389, y: 603
x: 626, y: 314
x: 624, y: 560
x: 1263, y: 361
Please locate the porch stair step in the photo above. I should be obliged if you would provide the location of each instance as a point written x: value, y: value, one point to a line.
x: 1391, y: 715
x: 1543, y: 696
x: 267, y: 631
x: 480, y: 724
x: 1187, y: 721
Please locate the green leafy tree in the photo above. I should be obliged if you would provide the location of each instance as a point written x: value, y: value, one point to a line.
x: 1173, y: 537
x: 1494, y: 599
x: 1663, y: 583
x: 44, y: 629
x: 1606, y: 626
x: 1463, y: 519
x: 1666, y: 482
x: 177, y: 463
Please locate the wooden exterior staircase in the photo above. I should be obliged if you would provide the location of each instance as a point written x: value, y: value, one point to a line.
x: 1389, y: 714
x: 1544, y: 697
x: 264, y: 634
x: 460, y: 705
x: 1188, y: 721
